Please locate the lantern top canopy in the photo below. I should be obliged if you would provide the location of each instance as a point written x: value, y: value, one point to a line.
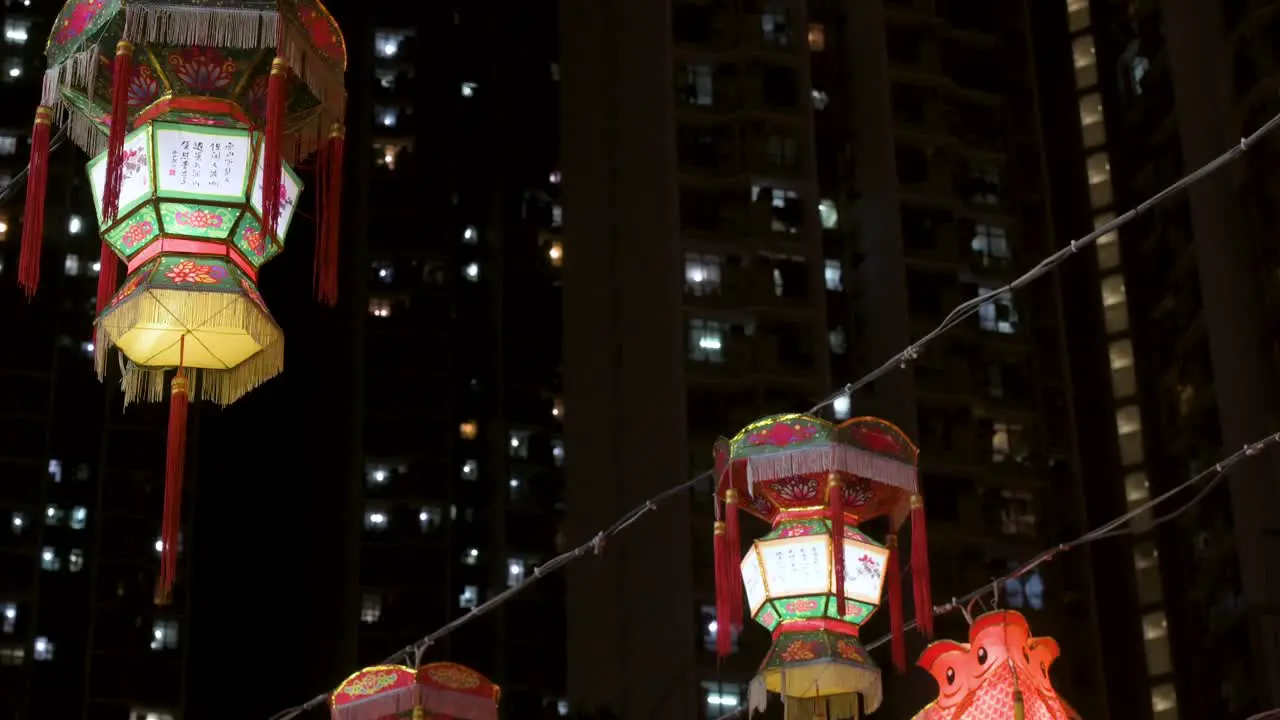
x: 193, y: 60
x: 227, y: 23
x: 984, y: 675
x: 445, y: 690
x: 784, y: 462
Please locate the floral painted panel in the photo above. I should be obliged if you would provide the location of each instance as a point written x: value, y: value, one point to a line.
x: 78, y: 21
x: 202, y: 221
x: 135, y: 232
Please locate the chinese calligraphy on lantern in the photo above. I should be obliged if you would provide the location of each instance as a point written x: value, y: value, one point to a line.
x: 753, y: 580
x: 797, y: 567
x: 201, y: 162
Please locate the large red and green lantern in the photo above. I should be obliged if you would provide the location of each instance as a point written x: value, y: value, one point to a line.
x: 817, y: 577
x: 441, y: 691
x: 193, y: 112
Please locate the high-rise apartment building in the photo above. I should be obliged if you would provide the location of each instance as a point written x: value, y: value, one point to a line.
x: 1171, y: 327
x: 463, y: 409
x: 767, y: 198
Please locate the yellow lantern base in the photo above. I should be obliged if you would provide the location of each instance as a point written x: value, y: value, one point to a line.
x: 226, y: 342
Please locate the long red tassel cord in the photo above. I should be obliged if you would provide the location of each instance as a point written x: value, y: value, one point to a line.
x: 835, y: 498
x: 122, y: 71
x: 108, y: 274
x: 920, y: 567
x: 733, y: 543
x: 272, y: 145
x: 33, y: 211
x: 329, y: 210
x: 724, y: 583
x: 897, y: 624
x: 175, y: 465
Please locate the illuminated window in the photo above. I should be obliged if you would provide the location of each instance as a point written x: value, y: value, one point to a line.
x: 1115, y: 308
x: 468, y: 430
x: 997, y: 314
x: 1007, y: 442
x: 12, y: 655
x: 470, y: 470
x: 711, y: 630
x: 838, y: 340
x: 387, y: 43
x: 49, y: 560
x: 469, y: 598
x: 79, y: 516
x: 1146, y: 564
x: 469, y: 89
x: 706, y: 340
x: 991, y: 244
x: 12, y: 68
x: 471, y: 556
x: 820, y: 99
x: 833, y: 275
x: 471, y: 271
x: 1155, y: 637
x: 18, y: 522
x: 1124, y: 382
x: 828, y: 214
x: 817, y: 37
x: 42, y: 649
x: 557, y: 409
x: 387, y: 154
x: 555, y: 253
x: 1086, y: 62
x: 8, y: 146
x: 1129, y: 433
x: 75, y: 225
x: 380, y: 307
x: 376, y: 520
x: 557, y: 452
x: 10, y: 618
x: 377, y: 475
x: 1099, y: 168
x: 1164, y: 702
x: 1108, y: 244
x: 701, y: 274
x: 515, y: 571
x: 1091, y: 124
x: 429, y: 518
x: 71, y: 264
x: 470, y: 235
x: 75, y: 560
x: 519, y: 442
x: 775, y: 28
x: 370, y: 608
x: 164, y: 635
x: 698, y: 87
x: 17, y: 32
x: 722, y: 698
x: 150, y: 715
x: 54, y: 515
x: 55, y: 470
x: 1077, y: 15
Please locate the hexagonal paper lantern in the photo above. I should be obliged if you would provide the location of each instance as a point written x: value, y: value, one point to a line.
x: 195, y: 189
x: 815, y: 482
x: 437, y: 690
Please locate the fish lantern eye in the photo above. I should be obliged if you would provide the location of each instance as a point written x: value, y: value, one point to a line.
x: 951, y: 676
x: 982, y: 656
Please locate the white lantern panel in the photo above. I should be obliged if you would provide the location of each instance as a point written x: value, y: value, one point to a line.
x: 864, y: 567
x: 753, y: 580
x: 202, y: 162
x: 797, y: 566
x: 136, y: 184
x: 292, y: 189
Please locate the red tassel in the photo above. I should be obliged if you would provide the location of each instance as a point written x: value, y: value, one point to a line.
x: 108, y: 272
x: 272, y: 146
x: 122, y: 72
x: 33, y: 211
x: 733, y: 545
x: 175, y: 464
x: 329, y: 199
x: 920, y: 567
x: 724, y: 588
x: 835, y: 498
x: 893, y: 578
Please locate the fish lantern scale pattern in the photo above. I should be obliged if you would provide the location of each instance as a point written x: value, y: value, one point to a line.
x: 192, y: 111
x: 1000, y: 674
x: 816, y: 577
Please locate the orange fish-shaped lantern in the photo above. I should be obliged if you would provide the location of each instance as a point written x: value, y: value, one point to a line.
x: 1002, y: 673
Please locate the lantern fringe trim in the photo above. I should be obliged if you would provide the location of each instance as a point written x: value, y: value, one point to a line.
x: 196, y: 310
x: 839, y: 707
x: 830, y: 458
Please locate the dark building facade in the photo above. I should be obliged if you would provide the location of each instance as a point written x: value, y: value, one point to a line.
x: 1171, y: 325
x: 763, y: 200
